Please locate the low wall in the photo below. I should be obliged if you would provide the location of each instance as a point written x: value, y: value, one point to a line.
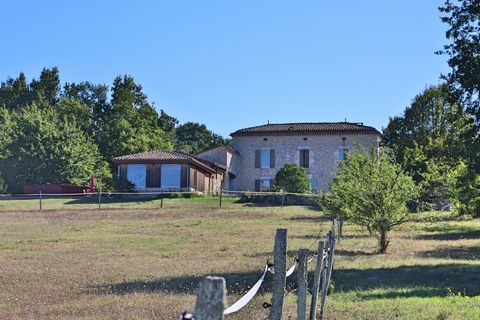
x: 276, y: 199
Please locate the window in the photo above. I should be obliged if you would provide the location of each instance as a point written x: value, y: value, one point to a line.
x: 137, y: 174
x: 342, y: 153
x: 304, y: 159
x: 314, y: 183
x: 170, y: 175
x: 265, y: 185
x: 265, y: 158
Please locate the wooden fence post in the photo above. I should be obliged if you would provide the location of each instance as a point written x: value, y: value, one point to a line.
x: 327, y: 274
x: 334, y: 224
x: 40, y: 199
x: 316, y: 280
x: 330, y: 261
x: 340, y: 228
x: 210, y: 299
x: 161, y: 199
x: 302, y: 284
x: 283, y: 198
x: 99, y: 198
x: 279, y: 278
x: 221, y: 191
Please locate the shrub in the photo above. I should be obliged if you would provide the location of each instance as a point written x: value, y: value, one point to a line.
x: 292, y: 178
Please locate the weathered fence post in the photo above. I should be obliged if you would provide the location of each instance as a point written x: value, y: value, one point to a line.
x: 330, y: 261
x: 221, y: 191
x: 279, y: 278
x: 334, y: 224
x: 210, y: 299
x: 99, y: 198
x: 327, y: 273
x: 40, y: 199
x: 340, y: 228
x: 302, y: 284
x: 161, y: 199
x: 316, y: 280
x: 283, y: 197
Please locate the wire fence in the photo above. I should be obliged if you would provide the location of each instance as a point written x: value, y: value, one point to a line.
x: 211, y: 292
x: 144, y: 200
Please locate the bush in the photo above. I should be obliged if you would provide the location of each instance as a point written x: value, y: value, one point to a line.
x: 292, y: 178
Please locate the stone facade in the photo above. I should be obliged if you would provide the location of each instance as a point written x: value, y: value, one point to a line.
x: 323, y: 156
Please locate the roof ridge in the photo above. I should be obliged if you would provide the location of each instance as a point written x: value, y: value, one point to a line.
x: 308, y: 127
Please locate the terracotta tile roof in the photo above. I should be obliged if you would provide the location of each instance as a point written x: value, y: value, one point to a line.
x: 166, y: 155
x: 321, y: 128
x: 157, y: 155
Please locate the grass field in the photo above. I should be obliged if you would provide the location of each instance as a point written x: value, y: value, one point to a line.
x: 136, y: 261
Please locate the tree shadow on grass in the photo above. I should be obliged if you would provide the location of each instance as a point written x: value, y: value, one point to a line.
x: 236, y: 283
x: 378, y: 283
x: 448, y: 235
x: 461, y: 252
x: 409, y: 281
x: 353, y: 253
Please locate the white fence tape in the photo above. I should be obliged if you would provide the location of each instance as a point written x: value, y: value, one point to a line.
x: 243, y: 301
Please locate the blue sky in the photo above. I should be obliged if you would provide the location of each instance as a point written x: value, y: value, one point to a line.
x: 234, y: 64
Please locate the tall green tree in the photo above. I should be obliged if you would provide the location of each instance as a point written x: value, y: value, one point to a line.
x: 131, y: 123
x: 429, y: 140
x: 193, y: 138
x: 463, y: 50
x: 46, y: 148
x: 371, y: 190
x: 15, y: 92
x: 117, y: 122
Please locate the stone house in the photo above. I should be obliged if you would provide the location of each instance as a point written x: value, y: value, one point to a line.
x: 258, y: 153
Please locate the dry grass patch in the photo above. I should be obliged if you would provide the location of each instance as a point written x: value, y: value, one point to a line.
x: 144, y: 262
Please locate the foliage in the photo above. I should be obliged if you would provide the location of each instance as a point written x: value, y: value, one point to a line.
x: 46, y: 148
x: 193, y: 138
x: 371, y: 190
x: 292, y: 178
x: 463, y: 51
x: 429, y: 140
x: 463, y: 20
x: 111, y: 121
x: 131, y: 124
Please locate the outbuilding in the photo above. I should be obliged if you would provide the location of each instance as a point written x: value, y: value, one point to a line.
x: 164, y: 170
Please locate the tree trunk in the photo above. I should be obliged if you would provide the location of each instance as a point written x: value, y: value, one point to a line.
x: 383, y: 242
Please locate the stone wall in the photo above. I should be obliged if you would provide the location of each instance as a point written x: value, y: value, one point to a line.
x: 323, y: 156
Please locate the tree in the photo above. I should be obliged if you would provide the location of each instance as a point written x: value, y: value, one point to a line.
x: 131, y: 124
x: 125, y: 123
x: 371, y: 190
x: 429, y: 140
x: 47, y: 88
x: 46, y: 148
x: 463, y: 50
x: 292, y: 178
x: 463, y: 20
x: 15, y: 92
x: 193, y: 138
